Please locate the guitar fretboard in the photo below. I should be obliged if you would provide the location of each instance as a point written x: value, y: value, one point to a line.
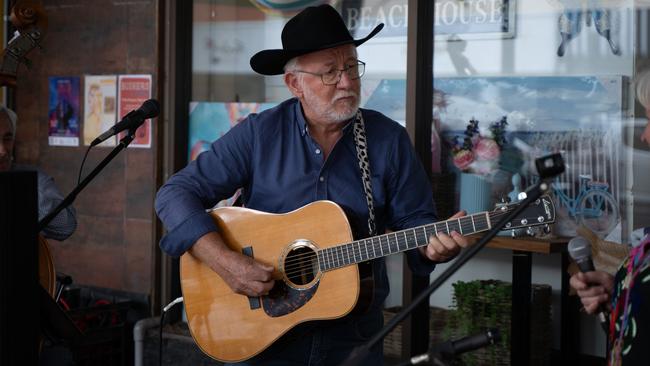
x: 383, y: 245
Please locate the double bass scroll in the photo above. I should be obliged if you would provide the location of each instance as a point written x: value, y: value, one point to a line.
x: 29, y: 18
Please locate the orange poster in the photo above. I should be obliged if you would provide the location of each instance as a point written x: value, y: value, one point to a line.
x: 133, y: 90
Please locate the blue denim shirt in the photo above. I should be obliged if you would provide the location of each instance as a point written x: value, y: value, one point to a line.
x: 280, y: 168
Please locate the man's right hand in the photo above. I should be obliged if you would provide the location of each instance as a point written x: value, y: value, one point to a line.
x: 594, y: 288
x: 243, y: 274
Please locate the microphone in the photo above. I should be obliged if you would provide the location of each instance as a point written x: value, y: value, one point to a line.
x: 580, y: 250
x: 449, y: 349
x: 133, y: 120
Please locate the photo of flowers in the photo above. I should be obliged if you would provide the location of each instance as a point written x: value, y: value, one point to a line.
x: 494, y: 128
x: 478, y: 152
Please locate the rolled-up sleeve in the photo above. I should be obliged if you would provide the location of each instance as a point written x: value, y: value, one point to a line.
x: 183, y: 236
x: 49, y: 197
x: 216, y: 174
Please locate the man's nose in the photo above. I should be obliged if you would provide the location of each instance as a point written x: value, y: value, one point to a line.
x: 345, y: 81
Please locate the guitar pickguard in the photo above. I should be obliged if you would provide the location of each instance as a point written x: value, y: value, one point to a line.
x: 283, y: 300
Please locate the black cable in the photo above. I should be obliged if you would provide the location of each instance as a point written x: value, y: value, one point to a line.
x: 160, y: 347
x: 162, y: 322
x: 81, y: 168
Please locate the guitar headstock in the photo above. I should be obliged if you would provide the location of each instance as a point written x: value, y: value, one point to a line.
x: 538, y: 212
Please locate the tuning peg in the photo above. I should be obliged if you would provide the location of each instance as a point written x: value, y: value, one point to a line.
x: 513, y: 233
x: 35, y: 35
x: 530, y: 231
x: 547, y: 229
x: 521, y: 196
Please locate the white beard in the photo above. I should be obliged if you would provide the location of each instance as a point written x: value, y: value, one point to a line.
x: 325, y: 111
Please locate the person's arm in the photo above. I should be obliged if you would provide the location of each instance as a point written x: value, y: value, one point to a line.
x: 243, y: 274
x: 216, y: 174
x: 49, y: 197
x: 594, y: 289
x: 182, y: 201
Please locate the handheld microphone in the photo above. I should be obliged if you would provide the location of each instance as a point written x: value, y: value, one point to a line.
x: 580, y: 250
x: 133, y: 120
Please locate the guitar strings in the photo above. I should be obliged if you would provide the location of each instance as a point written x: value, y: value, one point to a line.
x: 399, y: 241
x: 298, y: 257
x: 298, y: 264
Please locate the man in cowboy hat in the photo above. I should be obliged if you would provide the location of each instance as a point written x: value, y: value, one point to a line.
x: 318, y: 145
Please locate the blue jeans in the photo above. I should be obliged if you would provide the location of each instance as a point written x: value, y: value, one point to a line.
x: 324, y: 343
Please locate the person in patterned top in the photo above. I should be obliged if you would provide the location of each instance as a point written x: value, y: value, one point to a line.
x: 625, y: 295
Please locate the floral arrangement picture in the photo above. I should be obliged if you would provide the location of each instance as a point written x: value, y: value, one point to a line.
x: 479, y: 153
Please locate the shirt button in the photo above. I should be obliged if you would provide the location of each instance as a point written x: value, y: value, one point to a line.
x: 317, y: 151
x: 322, y: 179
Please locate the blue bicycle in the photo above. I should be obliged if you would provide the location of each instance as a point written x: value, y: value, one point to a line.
x: 593, y: 207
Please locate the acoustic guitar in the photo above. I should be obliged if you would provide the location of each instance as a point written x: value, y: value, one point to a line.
x: 315, y: 260
x: 46, y: 271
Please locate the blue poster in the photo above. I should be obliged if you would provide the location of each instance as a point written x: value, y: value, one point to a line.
x: 63, y: 111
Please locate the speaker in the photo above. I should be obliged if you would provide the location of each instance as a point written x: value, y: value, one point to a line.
x: 19, y: 302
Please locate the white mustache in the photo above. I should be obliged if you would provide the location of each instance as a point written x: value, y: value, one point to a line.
x: 345, y: 95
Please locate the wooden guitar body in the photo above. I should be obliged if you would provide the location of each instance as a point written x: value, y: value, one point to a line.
x: 46, y: 271
x: 222, y: 323
x: 316, y: 266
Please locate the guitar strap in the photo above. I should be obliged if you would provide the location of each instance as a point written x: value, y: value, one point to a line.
x: 361, y: 144
x: 366, y: 274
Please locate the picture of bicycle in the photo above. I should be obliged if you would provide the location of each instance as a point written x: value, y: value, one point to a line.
x: 593, y: 206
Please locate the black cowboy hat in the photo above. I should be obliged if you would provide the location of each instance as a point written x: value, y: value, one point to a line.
x: 313, y: 29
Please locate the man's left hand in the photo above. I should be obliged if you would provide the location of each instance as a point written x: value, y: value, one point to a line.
x: 444, y: 247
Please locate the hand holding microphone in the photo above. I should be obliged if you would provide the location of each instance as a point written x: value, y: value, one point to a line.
x: 593, y: 287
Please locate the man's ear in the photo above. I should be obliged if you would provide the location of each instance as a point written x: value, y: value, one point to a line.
x: 294, y: 85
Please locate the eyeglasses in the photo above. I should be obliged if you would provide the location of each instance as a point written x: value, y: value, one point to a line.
x: 333, y: 76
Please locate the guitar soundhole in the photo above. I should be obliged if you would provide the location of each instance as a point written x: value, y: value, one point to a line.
x: 300, y: 266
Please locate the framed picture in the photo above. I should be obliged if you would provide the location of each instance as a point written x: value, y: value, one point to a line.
x: 580, y: 116
x: 527, y: 117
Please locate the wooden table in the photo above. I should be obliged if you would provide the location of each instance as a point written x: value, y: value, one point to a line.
x: 522, y: 251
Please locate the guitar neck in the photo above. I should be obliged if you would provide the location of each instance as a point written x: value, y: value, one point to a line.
x: 383, y: 245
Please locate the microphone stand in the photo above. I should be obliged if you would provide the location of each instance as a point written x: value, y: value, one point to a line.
x: 359, y: 353
x: 444, y: 353
x: 124, y: 143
